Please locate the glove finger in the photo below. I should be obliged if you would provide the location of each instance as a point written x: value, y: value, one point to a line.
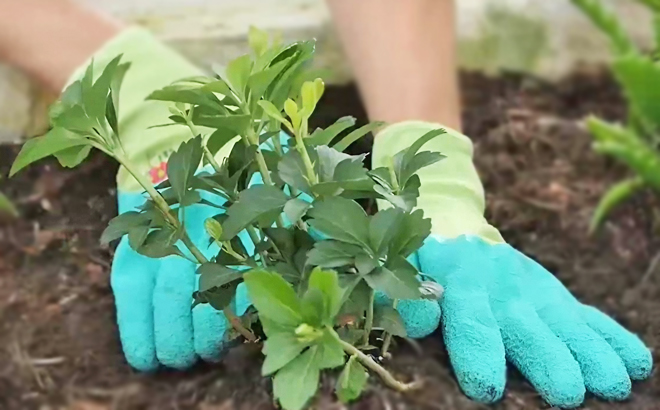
x: 540, y: 356
x: 474, y: 343
x: 173, y: 322
x: 635, y: 355
x: 420, y: 317
x: 602, y: 369
x: 210, y: 327
x: 133, y: 278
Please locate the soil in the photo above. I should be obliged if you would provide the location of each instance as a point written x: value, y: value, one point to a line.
x: 59, y: 346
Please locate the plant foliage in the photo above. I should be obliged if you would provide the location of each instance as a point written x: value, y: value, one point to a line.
x: 635, y: 143
x: 318, y: 257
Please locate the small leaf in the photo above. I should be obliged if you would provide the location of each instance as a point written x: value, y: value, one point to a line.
x: 275, y: 114
x: 341, y: 219
x: 34, y: 149
x: 412, y: 233
x: 72, y: 157
x: 160, y: 243
x: 255, y: 203
x: 640, y: 78
x: 122, y: 224
x: 258, y: 40
x: 137, y: 235
x: 398, y: 280
x: 612, y: 198
x: 273, y: 297
x: 291, y: 169
x: 356, y: 135
x: 325, y: 136
x: 280, y: 349
x: 383, y: 227
x: 311, y: 93
x: 295, y: 208
x: 236, y: 123
x: 213, y: 275
x: 219, y: 138
x: 389, y: 319
x: 331, y: 353
x: 183, y: 164
x: 327, y: 282
x: 238, y: 71
x: 296, y: 383
x: 333, y: 254
x: 352, y: 381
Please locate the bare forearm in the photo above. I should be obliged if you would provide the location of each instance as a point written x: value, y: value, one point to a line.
x: 403, y: 57
x: 49, y: 39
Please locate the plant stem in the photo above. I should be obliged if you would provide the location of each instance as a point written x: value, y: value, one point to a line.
x: 164, y: 207
x: 386, y: 376
x: 368, y: 325
x: 253, y: 139
x: 388, y: 336
x: 235, y: 322
x: 309, y: 167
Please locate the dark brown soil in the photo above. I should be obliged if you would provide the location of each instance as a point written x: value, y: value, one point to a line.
x: 59, y: 347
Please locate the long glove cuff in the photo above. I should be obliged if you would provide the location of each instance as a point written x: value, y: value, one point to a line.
x: 451, y: 193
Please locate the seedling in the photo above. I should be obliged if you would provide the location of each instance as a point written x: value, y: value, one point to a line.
x: 637, y: 142
x: 319, y: 259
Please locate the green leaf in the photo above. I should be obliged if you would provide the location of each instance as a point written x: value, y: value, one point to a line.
x: 327, y: 282
x: 183, y: 164
x: 412, y: 233
x: 333, y: 254
x: 341, y: 219
x: 608, y: 23
x: 219, y: 138
x: 259, y: 82
x: 295, y: 208
x: 383, y: 227
x: 258, y: 40
x: 96, y: 97
x: 274, y: 113
x: 284, y: 238
x: 238, y: 71
x: 188, y: 93
x: 122, y: 224
x: 160, y: 243
x: 419, y: 161
x: 404, y: 160
x: 389, y: 319
x: 291, y: 169
x: 73, y: 156
x: 137, y: 235
x: 325, y: 136
x: 352, y: 381
x: 273, y: 297
x: 54, y: 141
x: 356, y: 135
x: 398, y: 280
x: 7, y: 207
x: 255, y: 203
x: 616, y: 195
x: 213, y: 275
x: 356, y: 299
x: 236, y: 123
x: 640, y: 78
x: 280, y: 349
x: 296, y: 383
x: 331, y: 354
x: 311, y: 93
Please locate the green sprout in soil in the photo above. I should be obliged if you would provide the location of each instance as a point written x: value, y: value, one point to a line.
x: 319, y: 259
x: 636, y: 143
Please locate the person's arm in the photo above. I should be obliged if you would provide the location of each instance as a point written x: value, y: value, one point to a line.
x: 49, y: 39
x: 403, y: 57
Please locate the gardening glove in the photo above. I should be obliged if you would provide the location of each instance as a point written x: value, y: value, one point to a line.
x: 499, y: 304
x: 154, y: 296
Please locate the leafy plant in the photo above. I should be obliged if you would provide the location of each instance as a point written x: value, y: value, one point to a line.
x: 319, y: 257
x: 6, y: 206
x: 635, y: 143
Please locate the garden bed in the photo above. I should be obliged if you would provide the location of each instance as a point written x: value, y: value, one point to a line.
x: 59, y: 346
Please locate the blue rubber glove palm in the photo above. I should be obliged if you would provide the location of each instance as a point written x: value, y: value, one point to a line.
x: 498, y: 304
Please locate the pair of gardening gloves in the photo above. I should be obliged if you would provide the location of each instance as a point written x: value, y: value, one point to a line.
x: 498, y: 305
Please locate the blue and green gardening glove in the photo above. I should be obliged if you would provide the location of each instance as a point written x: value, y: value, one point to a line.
x: 498, y: 304
x: 153, y: 296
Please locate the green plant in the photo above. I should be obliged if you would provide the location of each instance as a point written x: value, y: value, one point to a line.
x: 6, y: 207
x: 637, y: 142
x: 319, y: 257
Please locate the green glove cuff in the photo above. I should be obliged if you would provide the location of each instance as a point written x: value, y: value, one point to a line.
x: 153, y: 66
x: 451, y: 193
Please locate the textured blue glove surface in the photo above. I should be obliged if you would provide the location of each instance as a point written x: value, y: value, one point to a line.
x: 500, y: 305
x: 154, y: 296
